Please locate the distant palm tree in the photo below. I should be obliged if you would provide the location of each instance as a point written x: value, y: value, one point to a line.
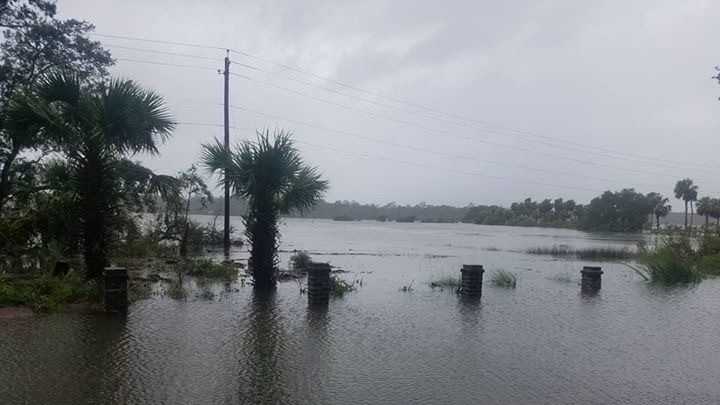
x: 692, y: 197
x: 686, y: 191
x: 661, y: 209
x: 95, y: 128
x: 270, y: 174
x: 705, y: 208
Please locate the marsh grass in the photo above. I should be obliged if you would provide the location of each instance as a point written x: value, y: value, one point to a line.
x: 446, y: 281
x: 408, y: 288
x: 504, y: 279
x: 300, y: 261
x: 606, y: 253
x: 340, y: 287
x: 207, y: 268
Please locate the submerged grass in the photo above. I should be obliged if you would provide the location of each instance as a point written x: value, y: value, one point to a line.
x: 207, y: 268
x: 445, y: 281
x: 339, y: 287
x: 606, y: 253
x: 46, y: 293
x: 503, y: 278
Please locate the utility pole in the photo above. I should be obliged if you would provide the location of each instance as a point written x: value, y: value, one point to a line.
x: 226, y: 77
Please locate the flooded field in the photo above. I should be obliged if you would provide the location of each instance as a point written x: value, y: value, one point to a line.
x: 541, y: 343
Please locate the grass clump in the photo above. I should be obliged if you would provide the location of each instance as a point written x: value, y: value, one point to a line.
x: 339, y: 287
x: 300, y: 261
x: 675, y: 261
x: 46, y: 293
x: 446, y: 281
x: 605, y: 253
x: 207, y: 268
x: 504, y: 279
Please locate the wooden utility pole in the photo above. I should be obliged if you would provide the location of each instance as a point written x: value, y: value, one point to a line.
x: 226, y: 77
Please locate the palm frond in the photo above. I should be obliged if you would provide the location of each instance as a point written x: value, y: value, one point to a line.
x: 133, y: 119
x: 305, y: 190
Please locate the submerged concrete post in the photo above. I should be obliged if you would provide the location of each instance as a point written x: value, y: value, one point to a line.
x: 318, y: 283
x: 116, y: 289
x: 591, y: 279
x: 472, y: 279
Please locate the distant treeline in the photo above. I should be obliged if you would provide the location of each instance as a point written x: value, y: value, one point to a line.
x: 621, y: 211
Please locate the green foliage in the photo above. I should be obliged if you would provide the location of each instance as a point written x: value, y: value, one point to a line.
x: 272, y: 177
x: 675, y: 262
x: 504, y: 279
x: 622, y: 211
x: 95, y: 128
x: 605, y: 253
x: 679, y: 259
x: 35, y: 41
x: 207, y: 268
x: 300, y: 261
x: 46, y: 293
x: 686, y: 190
x: 340, y: 287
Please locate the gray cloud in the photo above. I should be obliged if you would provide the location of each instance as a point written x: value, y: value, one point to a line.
x: 559, y: 86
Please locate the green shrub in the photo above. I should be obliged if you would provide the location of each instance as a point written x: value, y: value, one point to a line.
x: 674, y: 262
x: 505, y: 279
x: 340, y: 287
x: 46, y: 293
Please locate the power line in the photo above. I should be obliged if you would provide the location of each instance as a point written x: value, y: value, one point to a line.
x: 166, y: 64
x: 155, y: 51
x: 415, y: 148
x: 515, y: 148
x: 157, y: 41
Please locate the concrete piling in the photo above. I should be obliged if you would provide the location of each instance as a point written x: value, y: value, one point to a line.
x: 318, y: 283
x: 472, y: 279
x: 591, y: 279
x: 116, y: 289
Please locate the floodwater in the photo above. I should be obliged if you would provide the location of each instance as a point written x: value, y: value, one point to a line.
x: 542, y: 343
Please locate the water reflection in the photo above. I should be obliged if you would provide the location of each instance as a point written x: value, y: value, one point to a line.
x: 262, y: 376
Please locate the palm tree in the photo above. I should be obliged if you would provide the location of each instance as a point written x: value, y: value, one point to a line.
x: 705, y: 207
x: 661, y: 209
x: 687, y: 191
x: 692, y: 197
x: 96, y: 128
x: 270, y: 174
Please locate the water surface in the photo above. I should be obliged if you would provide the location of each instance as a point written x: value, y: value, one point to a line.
x: 542, y: 343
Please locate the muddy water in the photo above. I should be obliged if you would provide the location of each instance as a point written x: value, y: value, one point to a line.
x: 541, y: 343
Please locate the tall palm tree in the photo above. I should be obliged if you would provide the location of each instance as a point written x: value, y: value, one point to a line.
x: 270, y: 174
x: 686, y: 191
x: 96, y: 128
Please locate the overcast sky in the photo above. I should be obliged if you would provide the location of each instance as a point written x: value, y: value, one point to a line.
x: 442, y: 102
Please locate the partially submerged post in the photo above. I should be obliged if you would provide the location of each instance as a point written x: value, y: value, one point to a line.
x: 472, y: 279
x: 318, y: 283
x: 591, y: 279
x: 116, y: 289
